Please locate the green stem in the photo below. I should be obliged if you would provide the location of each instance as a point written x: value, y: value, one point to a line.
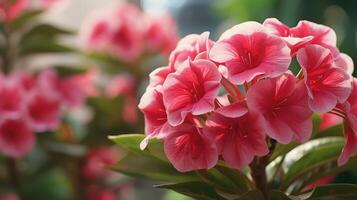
x: 259, y: 176
x: 13, y: 174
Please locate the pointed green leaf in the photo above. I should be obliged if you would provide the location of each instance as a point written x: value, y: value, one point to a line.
x: 25, y: 18
x: 44, y: 31
x: 253, y: 194
x: 197, y: 190
x: 334, y: 192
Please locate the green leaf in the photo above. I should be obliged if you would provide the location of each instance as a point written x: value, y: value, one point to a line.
x: 66, y: 70
x: 239, y: 179
x: 44, y: 31
x: 54, y: 185
x: 334, y: 192
x: 131, y: 142
x: 197, y: 190
x: 332, y: 131
x: 253, y: 194
x: 36, y: 47
x: 25, y: 18
x: 278, y: 195
x: 315, y: 156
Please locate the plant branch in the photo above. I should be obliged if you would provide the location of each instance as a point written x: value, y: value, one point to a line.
x: 259, y: 176
x: 12, y: 172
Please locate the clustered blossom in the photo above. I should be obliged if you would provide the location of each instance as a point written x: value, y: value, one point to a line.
x: 30, y: 104
x: 123, y: 31
x: 224, y: 99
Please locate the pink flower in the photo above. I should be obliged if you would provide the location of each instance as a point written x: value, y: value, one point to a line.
x: 304, y: 33
x: 191, y: 89
x: 190, y: 47
x: 26, y: 79
x: 117, y: 30
x: 189, y: 149
x: 329, y: 120
x: 95, y: 162
x: 43, y: 111
x: 282, y: 105
x: 16, y: 138
x: 152, y: 106
x: 345, y: 62
x: 11, y: 97
x: 350, y: 148
x: 349, y: 111
x: 11, y: 9
x: 238, y: 139
x: 159, y: 75
x: 248, y: 51
x: 160, y: 34
x: 326, y: 84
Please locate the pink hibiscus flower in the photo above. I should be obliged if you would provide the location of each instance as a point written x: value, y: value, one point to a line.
x: 326, y: 84
x: 12, y: 96
x: 248, y: 51
x: 159, y: 75
x: 274, y: 100
x: 11, y: 9
x: 16, y: 138
x: 191, y: 89
x: 189, y: 149
x: 238, y: 139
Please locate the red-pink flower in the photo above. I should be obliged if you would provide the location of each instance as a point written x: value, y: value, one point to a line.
x: 345, y: 62
x: 190, y: 47
x: 16, y: 138
x: 95, y: 162
x: 12, y: 96
x: 239, y: 139
x: 248, y: 51
x: 96, y: 193
x: 152, y: 106
x: 282, y: 105
x: 326, y: 84
x: 304, y: 33
x: 43, y: 110
x: 9, y: 196
x: 191, y: 89
x: 350, y: 148
x: 160, y: 33
x: 11, y: 9
x: 159, y: 75
x: 188, y: 148
x: 328, y: 120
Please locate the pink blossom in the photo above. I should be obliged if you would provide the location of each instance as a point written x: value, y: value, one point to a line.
x: 11, y: 9
x: 190, y: 47
x: 95, y: 162
x: 329, y: 120
x: 96, y: 193
x: 326, y: 84
x: 117, y: 30
x: 282, y: 104
x: 188, y: 148
x: 191, y: 89
x: 152, y: 106
x: 304, y: 33
x: 238, y: 139
x: 160, y: 33
x: 248, y: 51
x: 11, y: 97
x: 350, y: 148
x: 122, y: 84
x: 16, y: 138
x: 26, y: 79
x: 159, y: 75
x: 43, y: 110
x: 345, y: 62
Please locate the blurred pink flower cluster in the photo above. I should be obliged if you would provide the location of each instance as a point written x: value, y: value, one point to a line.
x: 223, y: 99
x: 11, y: 9
x: 126, y: 33
x: 30, y: 104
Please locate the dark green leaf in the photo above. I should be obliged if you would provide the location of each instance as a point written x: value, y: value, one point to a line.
x: 334, y: 192
x: 131, y: 142
x: 239, y: 179
x: 197, y: 190
x: 279, y: 195
x: 26, y: 17
x: 36, y: 47
x: 311, y: 158
x: 253, y: 194
x: 44, y: 31
x: 65, y: 70
x: 149, y: 167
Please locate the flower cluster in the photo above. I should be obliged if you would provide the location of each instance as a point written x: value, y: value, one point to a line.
x: 225, y: 99
x: 125, y: 32
x: 31, y: 104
